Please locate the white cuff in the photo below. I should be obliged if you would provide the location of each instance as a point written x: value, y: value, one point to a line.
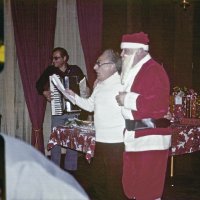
x: 130, y: 101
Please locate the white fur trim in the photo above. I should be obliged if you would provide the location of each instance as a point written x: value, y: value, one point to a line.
x: 130, y: 101
x: 130, y: 45
x: 146, y: 143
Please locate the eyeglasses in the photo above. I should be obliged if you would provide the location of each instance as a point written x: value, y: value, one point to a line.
x: 101, y: 64
x: 56, y: 57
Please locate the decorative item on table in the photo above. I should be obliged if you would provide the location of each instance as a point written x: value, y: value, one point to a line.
x: 198, y: 107
x: 183, y: 103
x: 176, y: 104
x: 190, y: 104
x: 81, y: 124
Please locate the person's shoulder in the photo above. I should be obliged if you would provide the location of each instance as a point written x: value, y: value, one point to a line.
x: 154, y: 67
x: 75, y: 67
x: 50, y: 68
x: 152, y: 64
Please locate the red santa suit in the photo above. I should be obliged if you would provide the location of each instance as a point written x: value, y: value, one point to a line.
x: 146, y: 151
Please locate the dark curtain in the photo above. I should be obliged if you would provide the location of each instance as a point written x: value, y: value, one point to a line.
x: 90, y: 27
x: 34, y: 28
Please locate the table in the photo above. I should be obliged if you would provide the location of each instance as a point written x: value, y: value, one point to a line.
x: 185, y: 139
x: 76, y: 138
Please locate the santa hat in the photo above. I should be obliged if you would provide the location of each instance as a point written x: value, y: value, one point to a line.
x: 135, y: 41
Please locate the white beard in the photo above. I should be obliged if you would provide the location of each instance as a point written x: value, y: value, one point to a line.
x: 127, y: 64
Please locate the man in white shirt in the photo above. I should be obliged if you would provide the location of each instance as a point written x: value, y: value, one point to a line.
x: 109, y: 125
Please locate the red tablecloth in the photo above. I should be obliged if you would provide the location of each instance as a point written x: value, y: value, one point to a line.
x: 74, y: 138
x: 185, y: 139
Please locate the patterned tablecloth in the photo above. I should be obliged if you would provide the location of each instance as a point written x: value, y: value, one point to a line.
x: 185, y: 139
x: 79, y: 139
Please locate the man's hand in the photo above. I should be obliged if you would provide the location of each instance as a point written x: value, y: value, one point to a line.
x: 47, y: 95
x: 120, y: 98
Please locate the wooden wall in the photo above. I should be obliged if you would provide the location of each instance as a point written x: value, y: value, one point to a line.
x: 174, y: 34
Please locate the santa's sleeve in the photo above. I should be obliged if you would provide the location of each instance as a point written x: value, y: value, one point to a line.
x: 151, y: 93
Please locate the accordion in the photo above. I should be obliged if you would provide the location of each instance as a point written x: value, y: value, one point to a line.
x: 59, y: 104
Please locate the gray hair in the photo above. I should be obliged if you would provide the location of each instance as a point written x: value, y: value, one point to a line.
x: 114, y: 57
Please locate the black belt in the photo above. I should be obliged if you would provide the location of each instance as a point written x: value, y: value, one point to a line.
x: 133, y: 125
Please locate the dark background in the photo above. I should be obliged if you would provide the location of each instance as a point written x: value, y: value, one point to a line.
x: 173, y: 32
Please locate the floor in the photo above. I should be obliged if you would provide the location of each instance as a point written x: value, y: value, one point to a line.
x: 184, y: 185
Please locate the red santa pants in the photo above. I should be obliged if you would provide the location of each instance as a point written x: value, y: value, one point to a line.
x: 144, y: 174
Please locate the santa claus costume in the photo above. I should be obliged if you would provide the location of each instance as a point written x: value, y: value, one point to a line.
x: 147, y: 136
